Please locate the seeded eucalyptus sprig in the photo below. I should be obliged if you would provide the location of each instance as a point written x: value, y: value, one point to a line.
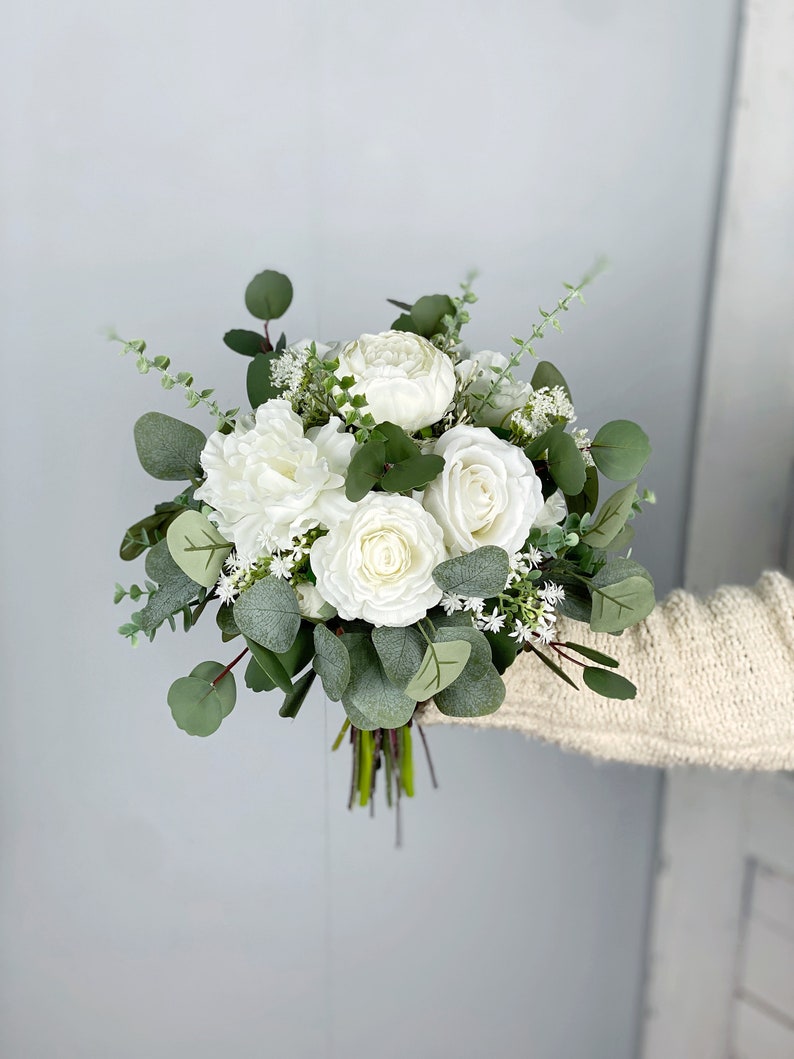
x: 168, y: 380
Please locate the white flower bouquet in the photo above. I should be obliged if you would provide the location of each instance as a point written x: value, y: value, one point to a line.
x: 397, y: 516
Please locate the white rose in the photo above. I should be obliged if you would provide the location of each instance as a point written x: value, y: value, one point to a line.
x: 269, y: 483
x: 487, y: 493
x: 378, y: 563
x: 478, y: 371
x: 552, y: 512
x: 403, y: 377
x: 311, y: 604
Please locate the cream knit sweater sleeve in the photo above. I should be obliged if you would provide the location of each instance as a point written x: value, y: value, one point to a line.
x: 715, y: 681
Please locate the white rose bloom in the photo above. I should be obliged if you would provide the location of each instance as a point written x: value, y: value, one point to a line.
x: 552, y: 512
x: 478, y: 370
x: 269, y: 483
x: 378, y: 563
x: 404, y: 378
x: 487, y: 493
x: 311, y: 604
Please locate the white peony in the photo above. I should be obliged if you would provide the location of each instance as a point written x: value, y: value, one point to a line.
x: 269, y: 483
x: 378, y: 563
x: 487, y: 493
x: 478, y: 371
x: 403, y: 377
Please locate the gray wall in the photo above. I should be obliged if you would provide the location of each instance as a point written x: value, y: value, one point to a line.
x: 168, y: 897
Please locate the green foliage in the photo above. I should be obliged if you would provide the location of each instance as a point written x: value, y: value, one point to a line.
x: 552, y: 666
x: 366, y: 469
x: 175, y: 590
x: 566, y: 464
x: 148, y: 531
x: 258, y: 384
x: 426, y: 316
x: 592, y: 654
x: 503, y: 649
x: 256, y: 679
x: 481, y: 573
x: 536, y: 448
x: 620, y: 450
x: 611, y: 519
x: 442, y: 664
x: 331, y: 662
x: 197, y: 547
x: 270, y: 665
x: 370, y: 695
x: 587, y: 499
x: 472, y: 698
x: 296, y: 696
x: 168, y: 448
x: 411, y: 474
x: 610, y: 685
x: 400, y: 651
x: 224, y: 619
x: 197, y: 704
x: 623, y: 594
x: 267, y: 612
x: 268, y: 295
x: 545, y: 374
x: 247, y: 343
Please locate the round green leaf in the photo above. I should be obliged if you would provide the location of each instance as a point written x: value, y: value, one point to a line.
x: 256, y: 678
x: 268, y: 295
x: 481, y: 573
x: 226, y: 688
x: 268, y: 613
x: 196, y: 705
x: 370, y: 693
x: 197, y: 547
x: 546, y: 374
x: 168, y: 448
x: 566, y: 464
x: 610, y: 685
x: 472, y: 698
x: 428, y: 312
x: 270, y: 665
x: 620, y: 450
x: 331, y: 662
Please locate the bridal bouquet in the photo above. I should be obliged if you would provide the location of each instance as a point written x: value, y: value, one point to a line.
x: 397, y: 516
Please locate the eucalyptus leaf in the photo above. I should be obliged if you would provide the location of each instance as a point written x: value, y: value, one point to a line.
x: 224, y: 619
x: 399, y: 446
x: 442, y: 664
x: 592, y: 654
x: 623, y: 539
x: 168, y: 449
x: 414, y: 473
x: 268, y: 295
x: 175, y: 589
x: 611, y: 519
x: 271, y: 665
x: 366, y: 468
x: 623, y: 595
x: 472, y: 698
x: 195, y: 705
x: 197, y: 547
x: 331, y: 662
x: 226, y: 689
x: 247, y: 343
x: 553, y: 666
x: 535, y: 449
x: 546, y: 374
x: 480, y: 657
x: 610, y: 685
x: 295, y: 698
x: 503, y: 649
x: 481, y: 573
x: 428, y: 312
x: 147, y: 531
x: 257, y: 679
x: 620, y: 450
x: 400, y: 652
x: 566, y: 464
x: 267, y: 612
x: 370, y: 694
x: 586, y: 500
x: 257, y: 381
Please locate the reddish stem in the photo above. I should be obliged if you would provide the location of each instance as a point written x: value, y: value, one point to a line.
x: 229, y: 668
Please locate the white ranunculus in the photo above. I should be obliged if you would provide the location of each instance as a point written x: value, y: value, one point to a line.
x: 378, y: 564
x: 487, y: 493
x: 478, y: 370
x: 552, y: 512
x: 311, y: 604
x: 403, y: 377
x: 268, y: 482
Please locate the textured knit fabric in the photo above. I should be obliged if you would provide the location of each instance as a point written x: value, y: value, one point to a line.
x: 715, y: 681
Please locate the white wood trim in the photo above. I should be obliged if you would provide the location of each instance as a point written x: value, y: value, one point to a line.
x: 717, y: 827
